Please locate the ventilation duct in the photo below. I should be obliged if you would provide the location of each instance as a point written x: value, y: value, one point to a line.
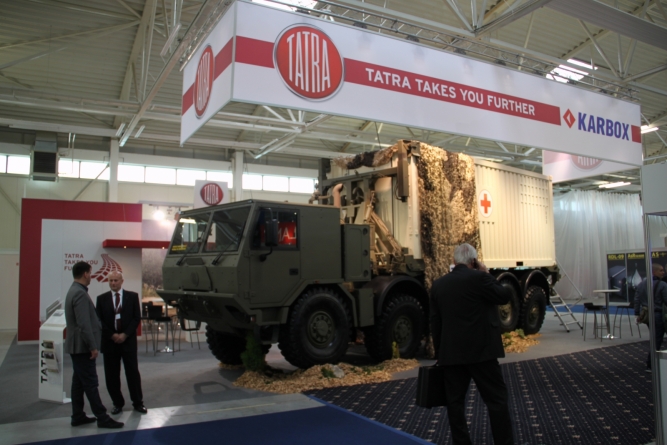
x: 44, y: 165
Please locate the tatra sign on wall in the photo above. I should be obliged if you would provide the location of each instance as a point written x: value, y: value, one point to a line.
x: 262, y: 55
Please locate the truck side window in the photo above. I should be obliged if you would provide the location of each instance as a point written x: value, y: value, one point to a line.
x: 226, y: 230
x: 288, y: 229
x: 189, y: 233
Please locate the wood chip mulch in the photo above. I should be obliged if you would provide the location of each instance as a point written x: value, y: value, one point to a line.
x: 517, y: 342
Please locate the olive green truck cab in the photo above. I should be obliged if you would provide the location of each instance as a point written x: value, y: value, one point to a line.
x: 309, y: 277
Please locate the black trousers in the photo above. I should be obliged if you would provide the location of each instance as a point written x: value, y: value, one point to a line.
x: 491, y: 386
x: 659, y: 333
x: 84, y: 381
x: 113, y: 356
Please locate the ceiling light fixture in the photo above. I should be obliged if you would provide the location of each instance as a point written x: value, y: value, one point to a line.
x: 611, y: 185
x: 649, y: 129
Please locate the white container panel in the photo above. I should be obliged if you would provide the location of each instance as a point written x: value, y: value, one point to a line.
x: 519, y: 231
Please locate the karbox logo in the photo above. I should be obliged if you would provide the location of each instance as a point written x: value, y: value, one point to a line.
x: 603, y: 126
x: 211, y: 194
x: 203, y: 81
x: 308, y: 62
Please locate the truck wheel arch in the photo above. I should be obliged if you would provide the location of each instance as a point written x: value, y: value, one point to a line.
x: 534, y: 277
x: 383, y: 285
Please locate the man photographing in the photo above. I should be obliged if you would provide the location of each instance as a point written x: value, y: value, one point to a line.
x: 467, y: 340
x: 120, y: 314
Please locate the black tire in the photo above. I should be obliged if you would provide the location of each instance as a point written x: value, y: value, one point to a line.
x: 509, y: 313
x: 317, y: 330
x: 533, y: 310
x: 227, y: 347
x: 402, y: 321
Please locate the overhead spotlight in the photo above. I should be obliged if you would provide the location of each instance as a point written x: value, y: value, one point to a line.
x: 158, y: 214
x: 361, y: 25
x: 460, y: 51
x: 412, y: 38
x: 648, y: 129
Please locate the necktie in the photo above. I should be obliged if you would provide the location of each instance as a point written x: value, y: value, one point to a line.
x: 117, y: 311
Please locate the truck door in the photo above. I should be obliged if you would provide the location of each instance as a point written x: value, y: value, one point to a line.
x: 275, y: 273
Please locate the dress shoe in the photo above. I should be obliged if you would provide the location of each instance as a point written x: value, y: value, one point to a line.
x: 84, y: 421
x: 140, y: 409
x: 109, y: 423
x: 116, y: 410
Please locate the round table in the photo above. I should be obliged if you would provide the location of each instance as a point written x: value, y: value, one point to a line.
x: 606, y: 293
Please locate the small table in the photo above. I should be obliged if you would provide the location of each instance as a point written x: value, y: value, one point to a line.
x: 606, y: 293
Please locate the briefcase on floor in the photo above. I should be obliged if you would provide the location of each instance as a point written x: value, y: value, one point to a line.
x: 431, y: 387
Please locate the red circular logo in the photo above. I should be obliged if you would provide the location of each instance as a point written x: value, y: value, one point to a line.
x: 585, y: 163
x: 211, y: 194
x: 308, y: 62
x: 203, y: 81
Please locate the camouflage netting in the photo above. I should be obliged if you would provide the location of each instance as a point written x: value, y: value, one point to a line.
x: 367, y: 158
x: 447, y: 178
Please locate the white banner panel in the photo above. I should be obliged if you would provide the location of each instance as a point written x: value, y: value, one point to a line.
x: 207, y: 79
x: 565, y: 167
x: 210, y: 193
x: 290, y: 60
x: 66, y: 242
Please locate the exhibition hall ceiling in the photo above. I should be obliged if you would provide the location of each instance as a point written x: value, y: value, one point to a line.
x: 100, y: 69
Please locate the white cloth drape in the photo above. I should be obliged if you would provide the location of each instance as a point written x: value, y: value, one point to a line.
x: 588, y: 224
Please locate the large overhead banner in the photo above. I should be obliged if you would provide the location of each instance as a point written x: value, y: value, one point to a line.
x: 263, y: 55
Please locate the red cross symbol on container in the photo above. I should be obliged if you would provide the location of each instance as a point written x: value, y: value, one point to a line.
x: 485, y: 203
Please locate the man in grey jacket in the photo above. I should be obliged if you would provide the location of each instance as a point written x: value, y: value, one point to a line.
x: 84, y: 334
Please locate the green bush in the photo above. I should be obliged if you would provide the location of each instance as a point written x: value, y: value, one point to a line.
x: 327, y: 372
x: 253, y: 357
x: 395, y: 353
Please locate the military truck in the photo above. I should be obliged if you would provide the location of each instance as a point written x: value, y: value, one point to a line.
x: 361, y: 255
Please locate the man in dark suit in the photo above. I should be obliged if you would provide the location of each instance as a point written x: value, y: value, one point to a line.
x: 467, y: 340
x: 120, y: 315
x: 82, y: 343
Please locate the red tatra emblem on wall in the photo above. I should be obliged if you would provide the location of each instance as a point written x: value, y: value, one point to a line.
x: 585, y: 163
x: 204, y: 81
x: 211, y: 194
x: 308, y: 62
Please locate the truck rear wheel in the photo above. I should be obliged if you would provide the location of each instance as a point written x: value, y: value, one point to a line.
x: 509, y: 313
x: 533, y: 310
x: 317, y: 330
x: 401, y: 321
x: 227, y: 347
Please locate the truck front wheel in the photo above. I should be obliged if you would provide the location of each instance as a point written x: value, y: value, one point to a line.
x: 317, y: 330
x: 227, y: 347
x: 401, y: 321
x: 533, y: 310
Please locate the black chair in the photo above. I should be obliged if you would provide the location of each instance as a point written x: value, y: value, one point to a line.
x: 625, y: 310
x: 604, y: 315
x: 185, y: 326
x: 147, y: 324
x: 158, y: 318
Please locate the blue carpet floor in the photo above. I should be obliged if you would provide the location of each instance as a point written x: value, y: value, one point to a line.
x: 325, y: 425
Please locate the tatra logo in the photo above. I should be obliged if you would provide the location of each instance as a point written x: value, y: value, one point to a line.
x: 585, y: 163
x: 211, y: 194
x: 108, y: 265
x: 308, y: 62
x: 204, y: 81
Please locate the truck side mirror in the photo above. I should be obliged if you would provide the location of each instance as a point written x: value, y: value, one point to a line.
x: 271, y: 235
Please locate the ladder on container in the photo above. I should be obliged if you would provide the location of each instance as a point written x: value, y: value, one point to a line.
x: 556, y: 301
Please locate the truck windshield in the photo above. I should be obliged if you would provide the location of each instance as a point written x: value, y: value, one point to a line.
x: 189, y: 233
x: 226, y: 229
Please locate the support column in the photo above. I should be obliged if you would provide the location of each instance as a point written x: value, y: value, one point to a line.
x: 237, y: 171
x: 114, y: 154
